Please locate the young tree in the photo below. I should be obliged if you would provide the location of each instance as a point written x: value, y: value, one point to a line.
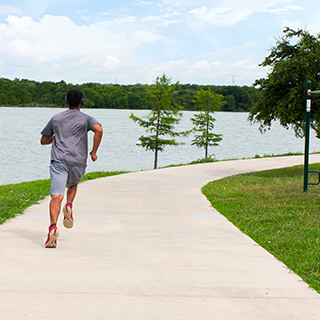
x: 292, y: 62
x: 207, y: 102
x: 161, y: 121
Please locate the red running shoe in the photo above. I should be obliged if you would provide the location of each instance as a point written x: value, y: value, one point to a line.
x: 68, y: 218
x: 52, y: 237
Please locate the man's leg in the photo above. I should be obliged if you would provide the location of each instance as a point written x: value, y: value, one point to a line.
x: 58, y: 176
x: 67, y: 209
x: 55, y: 207
x: 75, y: 174
x: 71, y: 193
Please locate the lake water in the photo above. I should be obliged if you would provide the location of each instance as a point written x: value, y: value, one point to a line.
x: 24, y: 159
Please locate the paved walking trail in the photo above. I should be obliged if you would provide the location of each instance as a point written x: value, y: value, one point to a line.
x: 148, y: 245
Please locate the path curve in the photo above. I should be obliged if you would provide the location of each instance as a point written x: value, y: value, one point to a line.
x: 148, y: 245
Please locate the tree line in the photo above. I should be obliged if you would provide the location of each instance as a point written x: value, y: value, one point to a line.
x: 23, y: 92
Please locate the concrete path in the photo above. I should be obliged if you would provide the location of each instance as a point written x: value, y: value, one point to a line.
x: 147, y: 245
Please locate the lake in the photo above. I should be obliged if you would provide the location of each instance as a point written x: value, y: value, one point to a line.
x: 24, y: 159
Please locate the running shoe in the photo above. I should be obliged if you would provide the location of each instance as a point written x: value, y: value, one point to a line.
x: 68, y: 218
x: 52, y: 237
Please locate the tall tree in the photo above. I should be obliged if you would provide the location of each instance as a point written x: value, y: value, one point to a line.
x: 161, y: 121
x: 207, y: 102
x: 292, y: 61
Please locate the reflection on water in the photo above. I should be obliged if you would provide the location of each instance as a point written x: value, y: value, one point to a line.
x: 24, y: 159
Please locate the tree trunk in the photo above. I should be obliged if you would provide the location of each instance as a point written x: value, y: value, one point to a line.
x: 157, y: 135
x: 155, y: 166
x: 207, y: 132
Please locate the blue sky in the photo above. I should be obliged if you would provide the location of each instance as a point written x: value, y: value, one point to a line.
x: 134, y: 41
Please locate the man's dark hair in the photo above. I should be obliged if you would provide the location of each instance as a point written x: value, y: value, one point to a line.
x: 74, y: 97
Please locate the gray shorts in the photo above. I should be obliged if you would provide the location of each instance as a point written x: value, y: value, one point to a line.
x: 62, y: 174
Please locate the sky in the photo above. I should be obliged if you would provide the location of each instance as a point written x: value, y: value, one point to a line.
x: 205, y: 42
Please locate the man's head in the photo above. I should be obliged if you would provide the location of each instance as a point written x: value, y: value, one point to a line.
x: 74, y: 97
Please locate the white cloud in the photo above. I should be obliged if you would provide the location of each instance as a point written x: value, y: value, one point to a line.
x: 56, y: 44
x: 185, y: 3
x: 253, y: 5
x: 56, y: 37
x: 313, y: 28
x: 178, y: 37
x: 197, y: 14
x: 119, y: 22
x: 55, y: 48
x: 292, y: 24
x: 283, y: 10
x: 218, y: 16
x: 6, y: 9
x: 144, y: 3
x: 204, y: 72
x: 144, y: 36
x: 111, y: 63
x: 245, y: 52
x: 231, y: 12
x: 151, y: 19
x: 217, y: 13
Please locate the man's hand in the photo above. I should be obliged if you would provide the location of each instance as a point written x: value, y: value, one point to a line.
x: 93, y: 156
x: 97, y: 129
x: 45, y: 140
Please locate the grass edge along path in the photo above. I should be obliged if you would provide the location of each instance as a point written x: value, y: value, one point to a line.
x: 272, y: 209
x: 15, y: 198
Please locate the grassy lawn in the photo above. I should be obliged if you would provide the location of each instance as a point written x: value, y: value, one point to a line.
x: 272, y: 209
x: 15, y: 198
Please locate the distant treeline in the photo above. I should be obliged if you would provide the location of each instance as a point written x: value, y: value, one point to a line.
x: 114, y: 96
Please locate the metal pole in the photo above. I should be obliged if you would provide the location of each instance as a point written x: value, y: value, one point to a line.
x: 307, y: 134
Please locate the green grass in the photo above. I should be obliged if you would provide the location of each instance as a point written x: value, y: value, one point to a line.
x: 198, y: 161
x: 101, y: 174
x: 15, y: 198
x: 213, y: 159
x: 272, y: 209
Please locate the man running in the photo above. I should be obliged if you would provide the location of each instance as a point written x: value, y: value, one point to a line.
x: 67, y: 131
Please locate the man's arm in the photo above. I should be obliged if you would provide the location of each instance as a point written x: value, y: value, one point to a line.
x: 45, y: 140
x: 97, y: 129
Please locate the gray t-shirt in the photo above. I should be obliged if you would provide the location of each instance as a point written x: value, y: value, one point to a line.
x: 70, y: 129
